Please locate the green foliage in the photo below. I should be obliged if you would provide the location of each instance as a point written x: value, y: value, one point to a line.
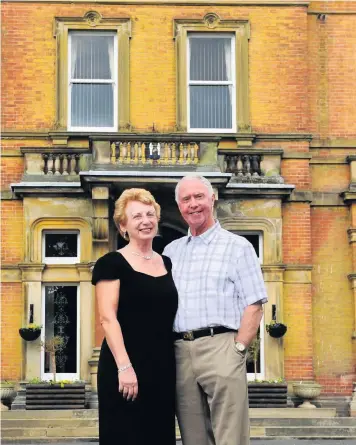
x: 279, y: 380
x: 62, y: 383
x: 32, y: 327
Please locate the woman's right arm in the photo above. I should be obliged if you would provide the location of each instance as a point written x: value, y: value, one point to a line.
x: 107, y: 294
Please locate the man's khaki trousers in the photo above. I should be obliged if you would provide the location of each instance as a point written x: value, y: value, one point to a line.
x: 212, y: 397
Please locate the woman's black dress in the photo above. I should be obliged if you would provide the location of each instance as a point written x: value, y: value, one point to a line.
x: 146, y: 311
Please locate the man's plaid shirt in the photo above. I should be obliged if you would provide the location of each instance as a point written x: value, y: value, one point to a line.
x: 217, y: 275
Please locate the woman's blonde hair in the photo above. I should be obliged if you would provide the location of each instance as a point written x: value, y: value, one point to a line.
x: 140, y: 195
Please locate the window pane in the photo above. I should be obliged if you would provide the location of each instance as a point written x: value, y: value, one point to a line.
x: 61, y: 245
x: 254, y: 240
x: 61, y: 320
x: 92, y: 57
x: 92, y: 105
x: 210, y: 59
x: 210, y: 107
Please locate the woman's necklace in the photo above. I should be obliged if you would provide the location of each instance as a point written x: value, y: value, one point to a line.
x: 146, y: 257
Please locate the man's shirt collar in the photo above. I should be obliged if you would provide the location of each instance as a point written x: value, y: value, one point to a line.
x: 208, y: 235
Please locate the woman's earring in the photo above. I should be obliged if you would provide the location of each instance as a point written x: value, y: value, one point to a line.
x: 125, y: 235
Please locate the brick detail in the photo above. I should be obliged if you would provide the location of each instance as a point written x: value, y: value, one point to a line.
x: 11, y: 320
x: 12, y: 248
x: 296, y: 233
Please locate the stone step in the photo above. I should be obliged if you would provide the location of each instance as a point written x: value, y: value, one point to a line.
x: 49, y: 423
x: 54, y: 414
x: 289, y: 413
x: 315, y: 431
x: 280, y: 413
x: 323, y: 421
x: 93, y: 421
x: 49, y: 432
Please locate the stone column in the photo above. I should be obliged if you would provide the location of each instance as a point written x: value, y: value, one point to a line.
x: 274, y: 350
x: 100, y: 197
x: 32, y: 282
x: 86, y: 319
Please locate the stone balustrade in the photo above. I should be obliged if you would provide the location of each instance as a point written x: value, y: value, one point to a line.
x: 159, y: 153
x: 246, y: 168
x: 60, y: 164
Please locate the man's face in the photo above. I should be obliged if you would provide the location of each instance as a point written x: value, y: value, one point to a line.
x: 196, y: 206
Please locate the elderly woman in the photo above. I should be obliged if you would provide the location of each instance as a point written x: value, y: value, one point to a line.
x: 137, y: 303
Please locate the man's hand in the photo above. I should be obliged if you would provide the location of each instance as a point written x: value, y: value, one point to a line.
x: 250, y: 323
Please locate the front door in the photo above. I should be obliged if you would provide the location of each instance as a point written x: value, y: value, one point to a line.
x: 61, y: 319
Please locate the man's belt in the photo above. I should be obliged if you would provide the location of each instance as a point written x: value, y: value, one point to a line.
x: 204, y: 332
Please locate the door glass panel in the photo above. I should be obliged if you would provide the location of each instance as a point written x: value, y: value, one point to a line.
x: 61, y: 306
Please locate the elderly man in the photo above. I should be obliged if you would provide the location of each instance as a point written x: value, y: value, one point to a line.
x: 221, y: 292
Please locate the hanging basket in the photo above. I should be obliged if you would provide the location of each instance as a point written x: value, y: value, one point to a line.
x: 276, y: 330
x: 29, y: 334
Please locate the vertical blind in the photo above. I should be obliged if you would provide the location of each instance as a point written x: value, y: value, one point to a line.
x: 210, y: 82
x: 92, y: 79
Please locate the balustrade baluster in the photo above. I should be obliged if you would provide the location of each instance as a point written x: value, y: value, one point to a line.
x: 181, y: 153
x: 135, y: 153
x: 256, y: 165
x: 44, y: 163
x: 247, y: 165
x: 143, y: 153
x: 64, y: 165
x: 50, y: 164
x: 113, y: 153
x: 239, y: 166
x: 188, y: 158
x: 71, y: 164
x: 76, y: 167
x: 195, y: 150
x: 230, y: 164
x: 165, y: 159
x: 121, y: 153
x: 128, y: 153
x: 174, y: 154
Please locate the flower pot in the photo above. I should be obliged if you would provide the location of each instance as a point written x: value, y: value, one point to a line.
x: 276, y: 330
x: 307, y: 391
x: 29, y: 334
x: 7, y: 392
x: 267, y: 395
x: 46, y: 396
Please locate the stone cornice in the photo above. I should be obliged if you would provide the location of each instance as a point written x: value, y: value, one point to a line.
x: 279, y: 3
x: 327, y: 12
x: 298, y: 267
x: 32, y: 271
x: 350, y: 158
x: 53, y: 149
x: 351, y: 235
x: 349, y: 196
x: 28, y: 134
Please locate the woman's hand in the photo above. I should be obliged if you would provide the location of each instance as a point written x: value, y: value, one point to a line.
x: 128, y: 384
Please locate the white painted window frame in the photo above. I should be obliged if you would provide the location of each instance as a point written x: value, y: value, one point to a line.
x: 113, y: 81
x: 260, y: 375
x: 232, y: 82
x: 58, y: 260
x: 60, y: 376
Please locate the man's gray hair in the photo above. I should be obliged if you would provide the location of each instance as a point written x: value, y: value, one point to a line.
x: 194, y: 177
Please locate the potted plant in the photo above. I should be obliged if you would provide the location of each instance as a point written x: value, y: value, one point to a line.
x: 307, y: 391
x: 30, y: 332
x: 275, y: 329
x: 54, y: 394
x: 264, y: 394
x: 253, y: 352
x: 7, y: 393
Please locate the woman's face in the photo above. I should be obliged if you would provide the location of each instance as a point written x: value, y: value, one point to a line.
x: 141, y: 221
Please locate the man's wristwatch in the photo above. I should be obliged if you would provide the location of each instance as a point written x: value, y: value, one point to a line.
x: 240, y: 347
